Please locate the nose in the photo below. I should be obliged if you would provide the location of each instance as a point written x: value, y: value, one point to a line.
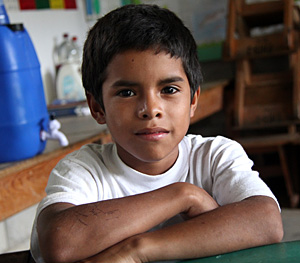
x: 149, y: 107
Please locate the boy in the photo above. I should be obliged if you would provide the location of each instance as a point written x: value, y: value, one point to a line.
x: 198, y: 196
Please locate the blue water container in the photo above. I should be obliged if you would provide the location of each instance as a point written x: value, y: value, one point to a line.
x: 23, y: 110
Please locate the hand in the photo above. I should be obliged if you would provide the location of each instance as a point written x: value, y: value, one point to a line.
x: 199, y: 202
x: 123, y: 252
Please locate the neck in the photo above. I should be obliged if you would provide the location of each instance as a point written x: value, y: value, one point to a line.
x: 149, y: 167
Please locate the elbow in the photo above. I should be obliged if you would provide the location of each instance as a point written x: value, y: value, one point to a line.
x: 278, y: 233
x: 54, y: 249
x: 274, y: 223
x: 55, y: 256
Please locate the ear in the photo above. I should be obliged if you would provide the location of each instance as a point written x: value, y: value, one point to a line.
x: 95, y: 108
x: 194, y: 103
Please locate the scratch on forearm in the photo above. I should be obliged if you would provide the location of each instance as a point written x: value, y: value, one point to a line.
x: 108, y: 215
x: 80, y: 217
x: 83, y: 218
x: 82, y: 222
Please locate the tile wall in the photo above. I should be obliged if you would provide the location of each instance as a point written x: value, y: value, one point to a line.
x: 16, y: 230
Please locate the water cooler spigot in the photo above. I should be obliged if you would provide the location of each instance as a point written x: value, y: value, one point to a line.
x: 54, y: 133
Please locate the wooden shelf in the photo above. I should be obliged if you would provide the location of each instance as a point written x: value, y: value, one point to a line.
x: 211, y: 100
x: 23, y: 184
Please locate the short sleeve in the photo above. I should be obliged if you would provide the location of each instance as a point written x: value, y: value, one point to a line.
x: 70, y: 181
x: 233, y: 176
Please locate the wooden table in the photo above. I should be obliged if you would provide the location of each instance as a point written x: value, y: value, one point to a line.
x: 288, y: 252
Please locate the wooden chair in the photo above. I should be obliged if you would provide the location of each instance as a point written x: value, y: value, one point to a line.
x: 243, y: 18
x: 271, y: 96
x: 266, y: 103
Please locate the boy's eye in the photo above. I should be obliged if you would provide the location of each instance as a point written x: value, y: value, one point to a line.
x: 169, y: 90
x: 125, y: 93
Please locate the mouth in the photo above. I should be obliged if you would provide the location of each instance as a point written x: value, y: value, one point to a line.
x: 152, y: 134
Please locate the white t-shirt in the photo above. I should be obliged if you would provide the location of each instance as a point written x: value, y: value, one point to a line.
x: 95, y: 173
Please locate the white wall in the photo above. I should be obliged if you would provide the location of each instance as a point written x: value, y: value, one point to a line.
x: 15, y: 231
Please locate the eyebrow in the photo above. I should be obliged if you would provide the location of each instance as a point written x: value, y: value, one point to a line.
x: 128, y: 83
x: 124, y: 83
x: 170, y: 80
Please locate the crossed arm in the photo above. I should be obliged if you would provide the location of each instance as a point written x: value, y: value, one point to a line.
x: 115, y: 230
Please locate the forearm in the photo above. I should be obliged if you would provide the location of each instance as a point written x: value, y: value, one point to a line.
x: 89, y: 229
x: 252, y: 222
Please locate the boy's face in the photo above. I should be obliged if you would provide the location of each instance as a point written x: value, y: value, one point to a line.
x: 147, y: 105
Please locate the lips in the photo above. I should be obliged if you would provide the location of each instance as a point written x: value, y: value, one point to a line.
x: 152, y: 130
x: 152, y: 134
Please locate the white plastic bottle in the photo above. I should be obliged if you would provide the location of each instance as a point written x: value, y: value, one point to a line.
x: 74, y: 52
x: 55, y: 56
x: 60, y: 52
x: 68, y: 81
x: 69, y: 84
